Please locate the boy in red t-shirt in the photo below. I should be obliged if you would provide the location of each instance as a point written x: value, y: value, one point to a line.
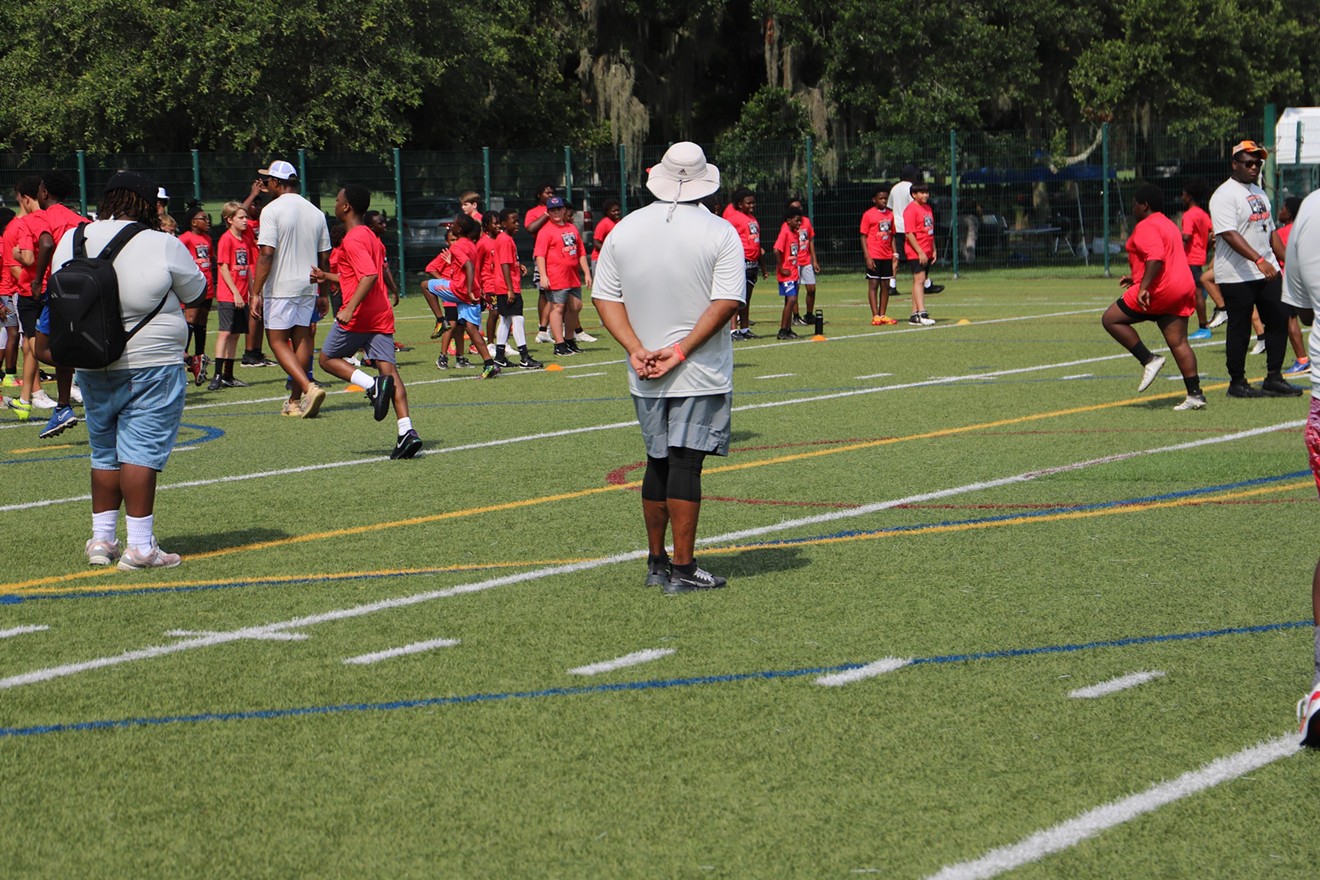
x: 459, y: 288
x: 486, y: 269
x: 533, y: 220
x: 561, y: 260
x: 1159, y: 289
x: 234, y: 261
x: 787, y: 273
x: 508, y: 294
x: 365, y: 320
x: 877, y: 230
x: 808, y: 265
x: 919, y: 246
x: 740, y: 212
x: 198, y: 242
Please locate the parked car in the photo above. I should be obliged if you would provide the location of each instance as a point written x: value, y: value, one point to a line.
x: 426, y: 219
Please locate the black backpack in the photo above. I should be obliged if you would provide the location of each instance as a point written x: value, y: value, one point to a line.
x: 86, y: 325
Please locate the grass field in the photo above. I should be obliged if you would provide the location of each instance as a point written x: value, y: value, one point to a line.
x: 989, y: 506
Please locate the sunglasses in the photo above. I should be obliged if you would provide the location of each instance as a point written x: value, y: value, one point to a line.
x: 1250, y: 163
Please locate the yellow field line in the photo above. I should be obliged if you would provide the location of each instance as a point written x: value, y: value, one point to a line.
x: 599, y: 490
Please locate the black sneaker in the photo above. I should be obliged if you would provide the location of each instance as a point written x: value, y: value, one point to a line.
x: 231, y: 382
x: 699, y: 579
x: 573, y: 346
x: 462, y: 362
x: 1278, y: 387
x: 381, y: 395
x: 407, y: 445
x: 216, y: 384
x: 799, y: 321
x: 657, y: 570
x: 250, y: 360
x: 935, y: 288
x: 1243, y: 388
x: 530, y: 363
x: 502, y: 362
x: 562, y: 350
x: 442, y: 363
x: 748, y: 334
x: 787, y: 334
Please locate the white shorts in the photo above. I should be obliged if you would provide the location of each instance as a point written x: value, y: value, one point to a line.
x: 11, y: 315
x: 285, y: 313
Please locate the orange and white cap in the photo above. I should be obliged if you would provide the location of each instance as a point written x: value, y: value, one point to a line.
x: 1251, y: 147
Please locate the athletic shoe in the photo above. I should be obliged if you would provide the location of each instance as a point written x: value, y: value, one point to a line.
x: 354, y: 361
x: 251, y: 360
x: 748, y: 334
x: 657, y: 570
x: 439, y: 330
x: 75, y: 394
x: 934, y: 289
x: 230, y: 382
x: 921, y: 319
x: 267, y: 362
x: 490, y: 372
x: 462, y: 362
x: 1149, y: 372
x: 544, y: 336
x: 530, y: 363
x: 42, y: 400
x: 735, y: 335
x: 472, y: 348
x: 1259, y: 347
x: 887, y: 321
x: 399, y: 346
x: 11, y: 382
x: 584, y: 336
x: 195, y: 366
x: 1193, y: 401
x: 573, y: 346
x: 562, y: 350
x: 1203, y: 333
x: 101, y: 552
x: 311, y: 402
x: 800, y: 321
x: 381, y: 395
x: 688, y: 583
x: 442, y: 363
x: 502, y: 361
x: 408, y: 445
x: 1279, y: 388
x: 215, y: 384
x: 1308, y: 709
x: 876, y: 322
x: 22, y: 409
x: 452, y: 349
x: 1219, y: 318
x: 291, y: 409
x: 61, y: 419
x: 44, y: 376
x: 787, y: 334
x: 134, y: 559
x: 1298, y: 368
x: 1244, y: 389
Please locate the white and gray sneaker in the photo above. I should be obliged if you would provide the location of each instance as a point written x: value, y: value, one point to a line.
x: 1258, y: 348
x: 135, y: 559
x: 1150, y: 371
x: 1193, y: 401
x: 699, y: 579
x: 544, y: 336
x: 584, y: 336
x: 1219, y: 318
x: 42, y: 400
x: 101, y: 552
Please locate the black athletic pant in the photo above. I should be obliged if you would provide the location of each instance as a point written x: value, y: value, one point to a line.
x: 1239, y: 298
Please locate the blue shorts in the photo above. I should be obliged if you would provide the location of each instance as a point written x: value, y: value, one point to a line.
x: 788, y: 288
x: 132, y: 416
x: 469, y: 313
x: 43, y: 320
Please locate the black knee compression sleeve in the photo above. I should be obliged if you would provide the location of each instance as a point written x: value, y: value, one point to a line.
x: 684, y: 482
x: 655, y: 478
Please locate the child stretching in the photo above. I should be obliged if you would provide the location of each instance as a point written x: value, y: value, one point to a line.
x: 365, y: 320
x: 459, y: 289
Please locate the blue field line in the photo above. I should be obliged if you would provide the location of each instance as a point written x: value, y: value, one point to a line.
x: 621, y: 687
x: 208, y: 434
x: 15, y: 599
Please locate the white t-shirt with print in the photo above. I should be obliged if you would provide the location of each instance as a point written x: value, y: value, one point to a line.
x: 1301, y: 277
x: 296, y: 229
x: 900, y: 196
x: 1243, y: 208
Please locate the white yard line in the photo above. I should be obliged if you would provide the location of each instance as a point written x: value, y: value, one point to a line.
x: 585, y: 375
x: 255, y: 636
x: 298, y: 623
x: 861, y: 673
x: 776, y: 376
x: 21, y: 630
x: 873, y: 376
x: 1114, y: 685
x: 626, y: 660
x: 414, y: 648
x: 1076, y: 376
x: 1093, y: 822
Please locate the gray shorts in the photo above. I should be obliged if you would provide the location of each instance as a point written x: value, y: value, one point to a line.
x: 702, y: 423
x: 806, y: 274
x: 560, y: 297
x: 339, y: 343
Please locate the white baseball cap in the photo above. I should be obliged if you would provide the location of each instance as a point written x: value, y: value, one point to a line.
x: 161, y: 195
x: 279, y: 168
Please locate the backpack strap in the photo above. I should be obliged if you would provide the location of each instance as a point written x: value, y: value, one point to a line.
x: 115, y: 245
x: 79, y: 241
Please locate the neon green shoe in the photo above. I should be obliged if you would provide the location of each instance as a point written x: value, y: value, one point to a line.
x: 22, y: 409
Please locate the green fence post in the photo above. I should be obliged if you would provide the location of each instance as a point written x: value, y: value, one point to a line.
x: 953, y: 177
x: 811, y: 190
x: 197, y: 175
x: 398, y: 220
x: 568, y: 175
x: 485, y: 174
x: 302, y: 170
x: 1104, y: 189
x: 1269, y: 175
x: 82, y: 182
x: 623, y: 178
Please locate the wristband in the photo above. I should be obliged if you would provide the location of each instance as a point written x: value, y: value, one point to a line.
x: 679, y: 351
x: 1259, y: 260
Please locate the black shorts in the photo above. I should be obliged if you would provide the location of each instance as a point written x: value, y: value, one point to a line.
x: 884, y: 268
x: 1196, y: 280
x: 753, y: 275
x: 916, y: 267
x: 232, y: 319
x: 509, y: 306
x: 451, y: 314
x: 29, y: 310
x: 1137, y: 317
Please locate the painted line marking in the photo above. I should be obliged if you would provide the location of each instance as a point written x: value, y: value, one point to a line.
x: 51, y: 673
x: 1114, y: 685
x: 255, y: 636
x: 873, y: 376
x: 42, y: 448
x: 585, y: 375
x: 861, y: 673
x: 1076, y: 376
x: 1091, y: 823
x: 776, y: 376
x: 22, y: 630
x: 414, y: 648
x: 623, y: 662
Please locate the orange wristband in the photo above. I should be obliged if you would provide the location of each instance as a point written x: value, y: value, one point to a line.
x: 679, y: 351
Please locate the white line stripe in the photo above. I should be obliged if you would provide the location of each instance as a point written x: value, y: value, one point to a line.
x: 621, y: 662
x: 414, y: 648
x: 1077, y: 376
x: 52, y: 673
x: 1114, y: 685
x: 269, y: 637
x: 21, y: 630
x: 861, y: 673
x: 1093, y: 822
x: 585, y: 375
x: 873, y: 376
x: 777, y: 376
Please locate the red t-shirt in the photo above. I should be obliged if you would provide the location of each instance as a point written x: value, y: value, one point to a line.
x: 806, y: 232
x: 56, y: 220
x: 1284, y: 233
x: 1196, y: 223
x: 237, y: 255
x: 463, y: 251
x: 506, y: 254
x: 1174, y: 292
x: 361, y: 254
x: 562, y: 248
x: 919, y: 220
x: 29, y: 229
x: 199, y: 247
x: 878, y: 227
x: 532, y: 215
x: 8, y: 283
x: 440, y: 264
x: 486, y: 263
x: 598, y: 237
x: 749, y: 231
x: 787, y: 246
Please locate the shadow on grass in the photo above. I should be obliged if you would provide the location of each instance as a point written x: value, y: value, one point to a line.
x: 764, y: 560
x: 201, y: 543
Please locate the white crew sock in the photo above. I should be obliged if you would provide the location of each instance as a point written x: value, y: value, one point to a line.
x: 502, y: 331
x: 362, y: 379
x: 893, y: 283
x: 105, y: 525
x: 141, y: 535
x: 519, y: 335
x: 928, y: 284
x: 405, y: 425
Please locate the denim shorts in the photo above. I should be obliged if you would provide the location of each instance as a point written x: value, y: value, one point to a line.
x: 11, y: 316
x: 132, y: 416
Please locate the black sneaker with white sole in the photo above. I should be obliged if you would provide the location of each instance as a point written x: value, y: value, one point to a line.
x: 408, y: 445
x: 697, y: 578
x: 381, y: 395
x: 657, y: 570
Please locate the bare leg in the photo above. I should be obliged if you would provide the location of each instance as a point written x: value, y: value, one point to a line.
x: 282, y: 346
x: 683, y: 516
x: 656, y: 516
x: 1175, y: 334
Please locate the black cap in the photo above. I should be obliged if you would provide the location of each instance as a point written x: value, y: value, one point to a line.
x: 134, y: 182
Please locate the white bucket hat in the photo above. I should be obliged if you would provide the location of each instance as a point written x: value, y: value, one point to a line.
x: 683, y: 175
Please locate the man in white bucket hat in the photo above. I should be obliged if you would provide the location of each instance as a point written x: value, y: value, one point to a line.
x: 669, y: 280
